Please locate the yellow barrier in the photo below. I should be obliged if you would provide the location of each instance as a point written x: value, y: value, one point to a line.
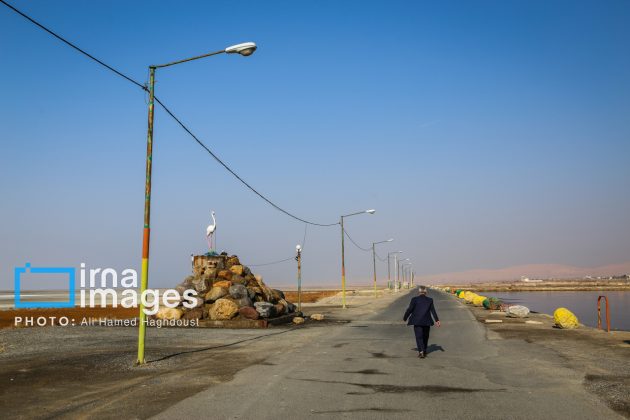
x: 478, y: 300
x: 564, y: 318
x: 469, y: 296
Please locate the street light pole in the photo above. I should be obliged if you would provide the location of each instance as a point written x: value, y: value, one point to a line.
x: 298, y: 248
x: 343, y: 256
x: 396, y: 273
x: 244, y: 49
x: 406, y: 273
x: 398, y: 267
x: 343, y: 267
x: 374, y: 259
x: 374, y: 266
x: 389, y: 281
x: 144, y: 271
x: 389, y: 256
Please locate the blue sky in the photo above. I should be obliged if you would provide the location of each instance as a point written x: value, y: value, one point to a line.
x: 486, y: 134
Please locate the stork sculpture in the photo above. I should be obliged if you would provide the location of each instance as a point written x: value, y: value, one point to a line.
x: 210, y: 232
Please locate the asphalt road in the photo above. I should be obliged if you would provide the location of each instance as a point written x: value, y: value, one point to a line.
x: 369, y: 369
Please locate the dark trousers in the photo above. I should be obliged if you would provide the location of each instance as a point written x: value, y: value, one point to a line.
x: 422, y: 336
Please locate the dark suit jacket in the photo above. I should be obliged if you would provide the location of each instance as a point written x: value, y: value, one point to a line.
x: 420, y: 310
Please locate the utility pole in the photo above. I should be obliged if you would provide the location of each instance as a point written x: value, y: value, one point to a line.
x: 397, y: 273
x: 374, y: 259
x: 389, y: 280
x: 343, y: 255
x: 298, y: 258
x: 245, y: 49
x: 146, y: 233
x: 374, y: 265
x: 343, y: 267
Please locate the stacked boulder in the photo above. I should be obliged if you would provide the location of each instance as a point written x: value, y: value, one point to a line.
x: 228, y: 290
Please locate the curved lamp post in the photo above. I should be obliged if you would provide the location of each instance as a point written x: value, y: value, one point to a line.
x: 298, y: 258
x: 389, y: 256
x: 343, y: 258
x: 245, y: 50
x: 398, y: 266
x: 374, y: 259
x: 406, y: 272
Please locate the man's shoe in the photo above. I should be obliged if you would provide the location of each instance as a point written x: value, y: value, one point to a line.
x: 422, y: 355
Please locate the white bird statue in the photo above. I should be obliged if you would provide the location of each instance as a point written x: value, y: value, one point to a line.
x: 210, y: 231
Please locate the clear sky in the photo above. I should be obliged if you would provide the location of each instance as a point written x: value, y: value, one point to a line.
x: 485, y: 133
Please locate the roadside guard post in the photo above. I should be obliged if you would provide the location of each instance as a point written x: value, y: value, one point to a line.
x: 599, y: 313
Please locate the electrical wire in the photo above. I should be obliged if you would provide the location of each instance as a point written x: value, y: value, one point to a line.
x: 304, y: 239
x: 170, y: 113
x: 355, y: 244
x: 286, y: 259
x: 271, y: 263
x: 70, y: 44
x: 271, y: 203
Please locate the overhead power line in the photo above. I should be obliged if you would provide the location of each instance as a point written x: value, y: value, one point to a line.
x: 356, y: 244
x: 361, y: 248
x: 70, y: 44
x: 271, y: 263
x: 207, y: 149
x: 170, y: 113
x: 286, y: 259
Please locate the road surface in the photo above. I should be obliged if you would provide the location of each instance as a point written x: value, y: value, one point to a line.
x: 368, y: 369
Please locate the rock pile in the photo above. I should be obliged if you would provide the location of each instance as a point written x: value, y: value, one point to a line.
x: 227, y: 290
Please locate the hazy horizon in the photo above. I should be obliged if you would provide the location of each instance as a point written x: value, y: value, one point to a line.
x: 485, y: 135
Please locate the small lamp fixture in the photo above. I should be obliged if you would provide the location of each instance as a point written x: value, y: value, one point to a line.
x: 245, y: 49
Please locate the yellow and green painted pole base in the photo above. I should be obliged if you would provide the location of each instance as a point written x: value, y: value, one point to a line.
x: 144, y: 280
x: 343, y: 290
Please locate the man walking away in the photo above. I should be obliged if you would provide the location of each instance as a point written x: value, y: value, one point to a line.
x: 421, y: 314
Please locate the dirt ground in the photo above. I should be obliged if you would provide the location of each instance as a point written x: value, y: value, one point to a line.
x: 88, y: 371
x: 309, y: 296
x: 603, y: 358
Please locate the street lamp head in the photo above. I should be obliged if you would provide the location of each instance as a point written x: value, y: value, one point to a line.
x: 390, y: 240
x: 298, y: 247
x: 245, y: 49
x: 371, y: 211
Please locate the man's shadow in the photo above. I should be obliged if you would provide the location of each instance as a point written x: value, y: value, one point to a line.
x: 432, y: 348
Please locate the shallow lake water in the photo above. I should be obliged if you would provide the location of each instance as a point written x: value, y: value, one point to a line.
x: 582, y: 304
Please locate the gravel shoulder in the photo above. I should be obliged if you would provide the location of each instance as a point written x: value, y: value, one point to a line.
x: 88, y: 371
x: 602, y: 358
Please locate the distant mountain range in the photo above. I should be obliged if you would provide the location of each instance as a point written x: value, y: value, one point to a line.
x: 533, y: 271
